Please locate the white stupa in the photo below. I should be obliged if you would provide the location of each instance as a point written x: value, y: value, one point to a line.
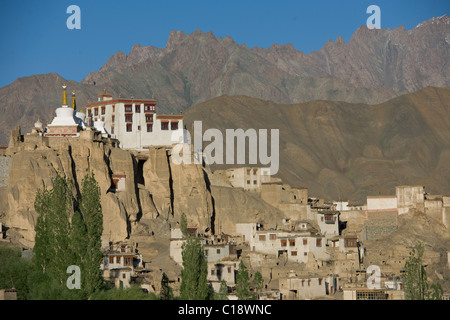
x: 65, y: 123
x: 80, y: 116
x: 100, y: 126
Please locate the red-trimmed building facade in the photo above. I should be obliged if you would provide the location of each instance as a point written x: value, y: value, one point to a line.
x: 134, y: 122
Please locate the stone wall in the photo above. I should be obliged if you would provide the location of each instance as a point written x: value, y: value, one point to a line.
x: 379, y: 224
x: 5, y: 166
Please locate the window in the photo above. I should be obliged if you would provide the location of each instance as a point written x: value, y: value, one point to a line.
x: 371, y: 295
x: 128, y: 108
x: 206, y: 252
x: 262, y: 237
x: 95, y: 111
x: 254, y: 182
x: 149, y: 127
x: 148, y: 118
x: 113, y: 118
x: 137, y: 108
x: 128, y: 118
x: 129, y: 127
x: 174, y: 125
x: 294, y: 253
x: 212, y: 272
x: 318, y: 242
x: 218, y: 251
x: 292, y: 242
x: 128, y: 261
x: 124, y: 275
x: 103, y: 110
x: 273, y: 236
x: 320, y: 281
x: 148, y: 108
x: 283, y: 243
x: 350, y: 242
x: 111, y: 259
x: 164, y: 126
x: 229, y: 269
x: 112, y: 129
x: 305, y: 242
x: 89, y: 112
x: 248, y: 181
x: 329, y: 218
x: 113, y: 108
x: 309, y: 282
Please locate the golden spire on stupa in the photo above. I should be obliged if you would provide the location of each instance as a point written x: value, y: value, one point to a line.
x: 74, y: 104
x: 64, y: 102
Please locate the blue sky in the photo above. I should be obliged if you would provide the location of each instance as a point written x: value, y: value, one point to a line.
x: 34, y: 38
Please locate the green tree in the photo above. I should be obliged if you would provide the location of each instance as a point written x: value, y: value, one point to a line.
x: 242, y: 282
x: 66, y: 237
x: 132, y: 293
x: 259, y: 282
x: 436, y: 292
x: 223, y: 291
x: 183, y: 225
x: 194, y: 284
x: 415, y: 278
x: 14, y: 271
x: 166, y: 290
x: 52, y: 249
x: 91, y: 211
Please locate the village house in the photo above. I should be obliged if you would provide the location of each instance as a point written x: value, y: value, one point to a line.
x: 216, y: 248
x: 8, y: 294
x: 119, y: 263
x: 248, y: 178
x: 221, y: 256
x: 359, y: 291
x: 223, y: 270
x: 302, y: 287
x: 294, y: 245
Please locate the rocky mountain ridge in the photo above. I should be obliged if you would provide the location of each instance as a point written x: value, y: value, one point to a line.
x: 374, y: 66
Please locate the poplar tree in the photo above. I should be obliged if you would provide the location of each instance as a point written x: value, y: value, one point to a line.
x: 52, y: 249
x: 242, y: 282
x: 166, y: 291
x: 259, y: 282
x: 194, y: 284
x: 415, y: 277
x: 223, y: 291
x: 91, y: 211
x: 66, y: 237
x: 183, y: 225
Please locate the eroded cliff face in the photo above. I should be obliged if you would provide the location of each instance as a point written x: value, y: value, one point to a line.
x: 155, y: 195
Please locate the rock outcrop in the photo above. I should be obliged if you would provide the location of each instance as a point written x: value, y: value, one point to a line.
x: 157, y: 192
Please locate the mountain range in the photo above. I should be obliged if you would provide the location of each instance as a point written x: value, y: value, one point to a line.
x: 374, y: 66
x: 345, y: 112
